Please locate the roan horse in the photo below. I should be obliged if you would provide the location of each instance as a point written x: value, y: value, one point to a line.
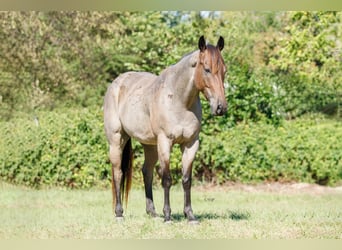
x: 160, y: 111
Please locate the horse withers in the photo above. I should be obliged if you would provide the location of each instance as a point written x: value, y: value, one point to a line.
x: 160, y: 111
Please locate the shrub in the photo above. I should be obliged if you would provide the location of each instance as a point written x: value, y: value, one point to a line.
x: 305, y: 150
x: 68, y: 148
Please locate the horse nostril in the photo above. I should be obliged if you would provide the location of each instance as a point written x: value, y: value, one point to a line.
x: 219, y: 110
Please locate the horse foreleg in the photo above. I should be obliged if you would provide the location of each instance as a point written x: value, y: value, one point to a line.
x: 151, y: 157
x: 189, y: 152
x: 164, y: 149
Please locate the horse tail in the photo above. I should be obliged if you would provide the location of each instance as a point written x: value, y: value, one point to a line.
x: 127, y: 170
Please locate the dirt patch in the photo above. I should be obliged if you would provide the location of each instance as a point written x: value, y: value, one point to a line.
x: 282, y: 188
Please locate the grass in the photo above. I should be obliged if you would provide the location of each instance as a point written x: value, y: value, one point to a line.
x: 223, y: 213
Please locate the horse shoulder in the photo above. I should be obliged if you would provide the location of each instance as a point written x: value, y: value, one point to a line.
x: 191, y: 125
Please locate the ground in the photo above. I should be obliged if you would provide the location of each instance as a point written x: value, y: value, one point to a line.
x: 274, y: 187
x: 231, y: 211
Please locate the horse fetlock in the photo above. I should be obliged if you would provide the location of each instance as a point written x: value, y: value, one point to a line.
x: 150, y: 210
x: 189, y: 214
x: 167, y: 213
x: 118, y: 211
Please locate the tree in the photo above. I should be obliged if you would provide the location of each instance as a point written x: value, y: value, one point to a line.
x: 307, y: 61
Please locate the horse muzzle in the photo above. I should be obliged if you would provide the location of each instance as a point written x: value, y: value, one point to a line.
x: 221, y: 110
x: 218, y: 108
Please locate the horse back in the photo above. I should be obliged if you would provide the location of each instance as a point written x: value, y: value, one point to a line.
x: 129, y: 99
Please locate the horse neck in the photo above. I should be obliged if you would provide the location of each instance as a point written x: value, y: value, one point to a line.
x: 180, y: 81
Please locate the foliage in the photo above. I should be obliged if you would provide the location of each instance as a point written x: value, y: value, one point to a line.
x: 305, y: 151
x: 68, y: 148
x: 280, y: 65
x: 295, y: 58
x: 53, y: 58
x: 64, y: 149
x: 306, y: 61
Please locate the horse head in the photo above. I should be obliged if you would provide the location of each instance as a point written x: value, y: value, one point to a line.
x: 209, y: 75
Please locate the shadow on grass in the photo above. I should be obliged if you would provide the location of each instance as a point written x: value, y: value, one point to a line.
x: 229, y: 214
x: 239, y: 215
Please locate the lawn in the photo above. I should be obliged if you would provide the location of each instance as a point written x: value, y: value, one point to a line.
x: 229, y: 212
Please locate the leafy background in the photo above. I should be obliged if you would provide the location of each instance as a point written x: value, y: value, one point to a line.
x: 283, y: 86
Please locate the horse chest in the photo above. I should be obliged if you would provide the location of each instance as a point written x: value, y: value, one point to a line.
x: 184, y: 129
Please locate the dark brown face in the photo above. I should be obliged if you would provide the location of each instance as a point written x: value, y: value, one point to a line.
x: 209, y: 75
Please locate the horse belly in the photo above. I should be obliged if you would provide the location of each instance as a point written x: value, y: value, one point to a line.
x: 141, y: 132
x: 136, y: 122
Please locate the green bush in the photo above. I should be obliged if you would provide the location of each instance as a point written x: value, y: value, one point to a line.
x: 68, y: 148
x: 306, y: 150
x: 65, y: 149
x: 279, y: 64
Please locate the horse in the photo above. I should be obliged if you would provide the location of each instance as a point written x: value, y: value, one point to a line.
x: 160, y: 111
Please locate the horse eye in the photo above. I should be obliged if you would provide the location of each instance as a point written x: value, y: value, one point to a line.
x: 207, y: 70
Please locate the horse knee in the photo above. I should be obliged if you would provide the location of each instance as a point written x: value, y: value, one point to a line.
x: 166, y: 181
x: 186, y: 181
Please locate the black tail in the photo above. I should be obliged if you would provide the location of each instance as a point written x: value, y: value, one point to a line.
x: 127, y: 169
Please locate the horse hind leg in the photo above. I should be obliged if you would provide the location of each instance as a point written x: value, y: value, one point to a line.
x: 151, y: 158
x: 120, y: 157
x: 115, y: 154
x: 164, y: 150
x: 120, y: 150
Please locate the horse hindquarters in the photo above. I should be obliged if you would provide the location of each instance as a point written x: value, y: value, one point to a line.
x: 120, y: 151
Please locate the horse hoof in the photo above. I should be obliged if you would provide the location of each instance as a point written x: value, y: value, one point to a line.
x: 119, y: 219
x: 168, y: 222
x: 153, y: 214
x: 193, y: 222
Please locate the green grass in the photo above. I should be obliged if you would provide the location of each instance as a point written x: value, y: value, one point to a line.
x: 223, y: 213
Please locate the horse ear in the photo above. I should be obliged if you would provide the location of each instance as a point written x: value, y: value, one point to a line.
x: 220, y: 43
x: 201, y: 44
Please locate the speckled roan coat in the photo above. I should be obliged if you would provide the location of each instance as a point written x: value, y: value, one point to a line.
x: 160, y: 111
